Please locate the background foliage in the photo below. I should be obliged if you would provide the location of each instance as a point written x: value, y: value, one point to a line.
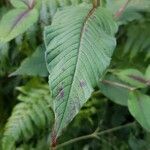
x: 121, y: 97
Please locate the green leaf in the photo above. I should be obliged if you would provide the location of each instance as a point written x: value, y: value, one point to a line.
x: 131, y: 12
x: 111, y: 88
x: 17, y: 21
x: 20, y: 3
x: 132, y: 76
x: 135, y: 5
x: 138, y: 40
x: 147, y: 74
x: 79, y: 44
x: 34, y: 65
x: 139, y: 107
x: 26, y: 3
x: 31, y: 118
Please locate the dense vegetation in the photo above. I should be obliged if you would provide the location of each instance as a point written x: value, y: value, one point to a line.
x: 75, y: 74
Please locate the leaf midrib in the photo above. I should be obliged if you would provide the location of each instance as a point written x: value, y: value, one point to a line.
x: 19, y: 18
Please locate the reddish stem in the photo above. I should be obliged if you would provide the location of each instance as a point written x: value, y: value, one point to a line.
x: 122, y: 9
x: 96, y: 3
x: 54, y: 139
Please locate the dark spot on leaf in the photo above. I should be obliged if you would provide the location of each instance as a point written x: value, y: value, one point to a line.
x: 61, y: 92
x: 82, y: 83
x: 86, y: 30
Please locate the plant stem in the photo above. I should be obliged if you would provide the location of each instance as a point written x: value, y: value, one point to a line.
x: 122, y: 9
x: 95, y: 135
x: 118, y: 84
x: 96, y: 3
x: 116, y: 128
x: 75, y: 140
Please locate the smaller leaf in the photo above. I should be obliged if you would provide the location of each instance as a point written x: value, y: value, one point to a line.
x: 20, y: 3
x: 115, y: 93
x: 147, y: 74
x: 132, y: 11
x: 139, y: 107
x: 17, y: 21
x: 34, y: 65
x: 133, y: 77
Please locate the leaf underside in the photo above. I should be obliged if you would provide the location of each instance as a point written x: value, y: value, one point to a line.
x: 79, y: 44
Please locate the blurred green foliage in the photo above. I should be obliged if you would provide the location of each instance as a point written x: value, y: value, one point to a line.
x: 132, y: 52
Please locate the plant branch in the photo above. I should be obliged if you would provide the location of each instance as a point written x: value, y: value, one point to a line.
x: 116, y: 128
x: 118, y: 84
x: 75, y: 140
x: 122, y: 9
x: 95, y: 135
x: 96, y: 3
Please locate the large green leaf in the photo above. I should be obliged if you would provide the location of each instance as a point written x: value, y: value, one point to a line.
x: 79, y: 44
x: 18, y: 20
x: 139, y: 106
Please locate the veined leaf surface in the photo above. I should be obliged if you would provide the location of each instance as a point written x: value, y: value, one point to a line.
x: 79, y: 44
